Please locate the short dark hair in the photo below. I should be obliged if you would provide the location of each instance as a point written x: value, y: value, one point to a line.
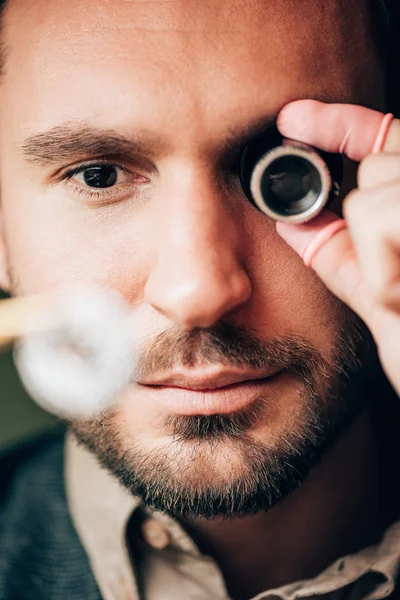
x: 386, y: 22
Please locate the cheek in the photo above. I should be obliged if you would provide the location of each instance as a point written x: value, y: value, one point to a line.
x: 288, y: 298
x: 51, y: 242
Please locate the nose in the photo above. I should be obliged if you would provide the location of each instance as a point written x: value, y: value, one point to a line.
x: 198, y: 273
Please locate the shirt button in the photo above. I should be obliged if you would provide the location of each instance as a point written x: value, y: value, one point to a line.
x: 155, y: 534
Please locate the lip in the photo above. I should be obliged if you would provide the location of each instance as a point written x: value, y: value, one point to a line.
x: 206, y: 379
x: 215, y: 393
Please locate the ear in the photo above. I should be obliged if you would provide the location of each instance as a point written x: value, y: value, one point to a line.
x: 5, y: 279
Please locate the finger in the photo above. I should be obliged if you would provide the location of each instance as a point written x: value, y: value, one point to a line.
x: 338, y: 128
x: 378, y: 170
x: 325, y: 244
x: 359, y: 263
x: 373, y: 220
x: 302, y: 238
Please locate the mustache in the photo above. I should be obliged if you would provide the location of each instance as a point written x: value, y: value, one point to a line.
x: 233, y: 346
x: 227, y: 345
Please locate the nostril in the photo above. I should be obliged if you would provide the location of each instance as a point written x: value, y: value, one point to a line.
x: 208, y: 304
x: 197, y: 291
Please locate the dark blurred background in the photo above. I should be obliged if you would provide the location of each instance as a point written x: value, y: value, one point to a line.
x: 20, y: 418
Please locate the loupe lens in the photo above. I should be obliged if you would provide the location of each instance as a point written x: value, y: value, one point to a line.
x: 288, y: 180
x: 291, y: 185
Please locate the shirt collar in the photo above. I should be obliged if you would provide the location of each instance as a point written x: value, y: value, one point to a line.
x: 101, y: 508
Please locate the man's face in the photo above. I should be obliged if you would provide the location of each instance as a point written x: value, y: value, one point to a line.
x: 122, y: 124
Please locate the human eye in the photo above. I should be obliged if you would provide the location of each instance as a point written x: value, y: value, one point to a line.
x: 102, y: 181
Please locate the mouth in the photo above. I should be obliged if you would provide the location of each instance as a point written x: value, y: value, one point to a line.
x: 202, y: 393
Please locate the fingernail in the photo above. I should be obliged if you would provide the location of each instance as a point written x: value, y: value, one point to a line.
x: 299, y: 237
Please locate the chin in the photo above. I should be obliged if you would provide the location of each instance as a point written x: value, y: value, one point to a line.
x: 223, y: 464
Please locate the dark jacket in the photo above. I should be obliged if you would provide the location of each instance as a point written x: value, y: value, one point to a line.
x: 41, y: 556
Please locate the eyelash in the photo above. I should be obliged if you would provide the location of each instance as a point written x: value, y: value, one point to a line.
x: 100, y: 194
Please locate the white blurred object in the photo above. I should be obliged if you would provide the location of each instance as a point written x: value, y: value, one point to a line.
x: 80, y: 365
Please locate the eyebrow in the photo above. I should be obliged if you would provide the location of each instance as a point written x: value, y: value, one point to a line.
x: 73, y: 140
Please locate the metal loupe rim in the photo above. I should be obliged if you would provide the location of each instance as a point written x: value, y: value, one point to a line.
x: 310, y: 156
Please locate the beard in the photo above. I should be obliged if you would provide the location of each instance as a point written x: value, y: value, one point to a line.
x: 213, y: 466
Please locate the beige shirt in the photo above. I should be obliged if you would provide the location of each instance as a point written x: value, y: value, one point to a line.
x: 165, y: 564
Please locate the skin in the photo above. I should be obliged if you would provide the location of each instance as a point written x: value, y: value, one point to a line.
x: 360, y: 264
x: 159, y: 240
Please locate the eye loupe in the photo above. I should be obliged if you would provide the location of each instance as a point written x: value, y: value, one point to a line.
x: 288, y: 180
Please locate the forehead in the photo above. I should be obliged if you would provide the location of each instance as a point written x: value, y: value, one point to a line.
x: 204, y: 59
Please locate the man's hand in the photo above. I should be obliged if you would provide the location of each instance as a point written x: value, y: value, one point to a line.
x: 361, y: 263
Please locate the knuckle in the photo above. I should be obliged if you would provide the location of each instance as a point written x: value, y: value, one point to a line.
x: 382, y: 276
x: 378, y: 169
x: 382, y: 293
x: 352, y: 205
x: 368, y: 168
x: 377, y: 282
